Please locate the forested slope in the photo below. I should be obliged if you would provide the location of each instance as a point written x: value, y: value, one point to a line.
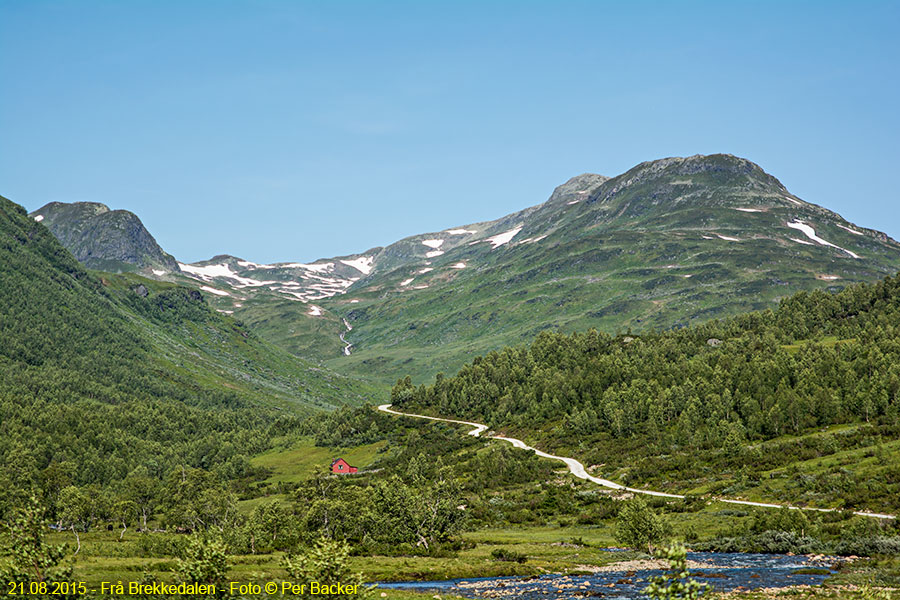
x: 102, y: 376
x: 734, y: 400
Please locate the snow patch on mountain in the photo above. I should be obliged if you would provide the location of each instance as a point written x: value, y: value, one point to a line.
x: 459, y: 231
x: 502, y: 238
x: 811, y: 234
x: 406, y: 282
x: 853, y: 231
x: 804, y: 242
x: 315, y: 267
x: 209, y: 272
x: 213, y: 290
x: 433, y: 243
x: 314, y: 311
x: 158, y: 273
x: 532, y: 240
x: 363, y: 264
x: 39, y: 218
x: 573, y: 202
x: 749, y: 210
x: 459, y: 265
x: 434, y: 253
x: 425, y: 270
x: 726, y: 238
x: 253, y: 265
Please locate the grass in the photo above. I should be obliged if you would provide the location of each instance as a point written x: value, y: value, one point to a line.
x: 301, y: 460
x: 828, y: 341
x: 104, y: 558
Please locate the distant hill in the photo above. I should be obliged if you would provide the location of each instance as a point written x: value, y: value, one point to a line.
x: 104, y: 239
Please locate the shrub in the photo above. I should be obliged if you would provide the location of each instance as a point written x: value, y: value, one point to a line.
x: 508, y: 555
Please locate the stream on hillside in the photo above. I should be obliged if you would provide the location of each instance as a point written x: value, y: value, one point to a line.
x: 724, y: 571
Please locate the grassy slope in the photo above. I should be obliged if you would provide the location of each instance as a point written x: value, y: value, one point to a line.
x: 220, y: 351
x: 303, y: 458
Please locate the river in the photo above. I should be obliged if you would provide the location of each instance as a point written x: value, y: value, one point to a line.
x: 724, y: 571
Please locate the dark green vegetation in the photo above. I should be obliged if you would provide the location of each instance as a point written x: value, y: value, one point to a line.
x: 111, y: 385
x: 765, y: 404
x: 104, y: 239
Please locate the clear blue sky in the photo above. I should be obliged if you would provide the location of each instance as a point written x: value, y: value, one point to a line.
x: 297, y: 130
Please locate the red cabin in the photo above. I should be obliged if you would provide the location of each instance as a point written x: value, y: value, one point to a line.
x: 340, y: 466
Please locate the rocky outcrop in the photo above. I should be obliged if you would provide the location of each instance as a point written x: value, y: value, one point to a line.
x: 104, y: 239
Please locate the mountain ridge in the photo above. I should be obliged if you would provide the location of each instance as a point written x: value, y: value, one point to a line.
x: 669, y: 242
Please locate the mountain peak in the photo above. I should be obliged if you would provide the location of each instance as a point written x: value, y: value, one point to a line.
x: 577, y: 187
x: 724, y: 165
x: 101, y: 238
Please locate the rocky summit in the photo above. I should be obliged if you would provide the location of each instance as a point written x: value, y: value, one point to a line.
x: 104, y: 239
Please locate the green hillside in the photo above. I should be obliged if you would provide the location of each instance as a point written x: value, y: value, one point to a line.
x: 668, y: 244
x: 102, y: 375
x: 800, y: 404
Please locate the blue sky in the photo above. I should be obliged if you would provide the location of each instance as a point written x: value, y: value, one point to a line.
x: 297, y: 130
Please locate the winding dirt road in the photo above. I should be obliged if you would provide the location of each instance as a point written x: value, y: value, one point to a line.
x: 577, y: 469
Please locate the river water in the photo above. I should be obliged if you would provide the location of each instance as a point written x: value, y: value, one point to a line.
x: 724, y: 571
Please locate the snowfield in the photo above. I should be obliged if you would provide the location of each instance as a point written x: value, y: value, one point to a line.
x: 727, y: 239
x: 209, y: 272
x: 406, y: 282
x: 533, y: 240
x: 804, y: 242
x: 363, y: 264
x: 459, y: 265
x: 459, y: 231
x: 158, y: 273
x: 433, y: 243
x: 316, y: 268
x: 253, y: 265
x: 39, y: 218
x: 503, y: 238
x: 811, y: 234
x: 314, y: 311
x: 749, y: 210
x: 433, y: 253
x: 213, y: 290
x: 853, y: 231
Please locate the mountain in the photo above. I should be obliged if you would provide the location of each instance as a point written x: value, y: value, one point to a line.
x: 106, y: 373
x: 104, y: 239
x: 669, y: 243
